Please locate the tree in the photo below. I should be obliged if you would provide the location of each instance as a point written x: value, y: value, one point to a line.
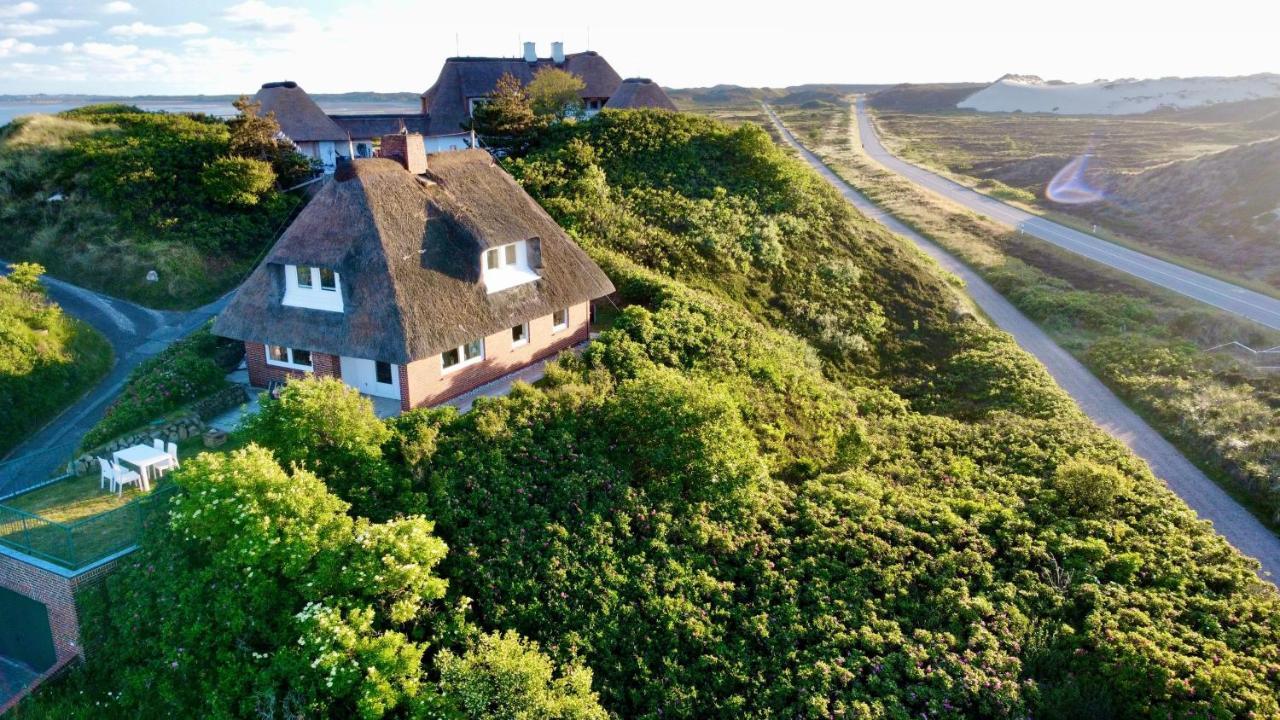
x: 506, y: 119
x: 505, y: 677
x: 555, y: 93
x: 271, y: 591
x: 237, y: 180
x: 324, y: 425
x: 258, y: 137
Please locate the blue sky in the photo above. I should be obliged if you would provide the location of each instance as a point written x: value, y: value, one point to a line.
x: 231, y: 46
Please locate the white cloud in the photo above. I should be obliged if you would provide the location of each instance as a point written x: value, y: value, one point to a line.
x: 257, y: 15
x: 104, y: 51
x: 20, y: 10
x: 119, y: 7
x: 36, y: 28
x: 139, y: 29
x: 10, y: 47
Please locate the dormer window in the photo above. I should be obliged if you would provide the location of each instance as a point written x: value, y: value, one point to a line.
x: 317, y: 288
x: 507, y: 266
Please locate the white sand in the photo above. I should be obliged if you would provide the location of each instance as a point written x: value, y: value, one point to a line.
x: 1118, y: 97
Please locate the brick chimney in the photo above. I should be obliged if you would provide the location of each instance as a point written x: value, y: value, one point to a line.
x: 408, y: 149
x: 530, y: 53
x: 557, y: 52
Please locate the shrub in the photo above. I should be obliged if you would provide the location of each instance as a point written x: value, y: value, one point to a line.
x: 181, y: 373
x: 47, y: 360
x: 1087, y: 486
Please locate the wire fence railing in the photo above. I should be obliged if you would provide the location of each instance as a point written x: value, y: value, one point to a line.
x: 77, y: 544
x: 31, y: 470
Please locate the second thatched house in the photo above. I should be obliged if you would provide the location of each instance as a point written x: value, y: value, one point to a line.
x: 635, y: 93
x: 302, y: 121
x: 415, y: 277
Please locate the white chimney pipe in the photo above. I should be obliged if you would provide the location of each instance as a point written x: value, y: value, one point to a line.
x: 530, y: 54
x: 557, y: 52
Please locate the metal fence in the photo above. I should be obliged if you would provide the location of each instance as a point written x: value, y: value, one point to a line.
x: 77, y: 544
x: 31, y: 470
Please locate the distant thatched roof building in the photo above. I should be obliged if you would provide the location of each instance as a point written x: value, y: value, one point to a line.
x: 375, y: 125
x: 300, y: 118
x: 407, y: 248
x: 640, y: 93
x: 464, y: 79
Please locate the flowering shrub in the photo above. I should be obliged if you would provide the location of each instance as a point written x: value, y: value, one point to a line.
x: 183, y: 372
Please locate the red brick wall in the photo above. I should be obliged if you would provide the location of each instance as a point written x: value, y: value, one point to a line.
x: 424, y: 382
x: 58, y: 595
x: 261, y: 373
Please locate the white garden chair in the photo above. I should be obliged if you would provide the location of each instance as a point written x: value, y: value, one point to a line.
x: 122, y: 477
x: 106, y: 476
x: 172, y: 451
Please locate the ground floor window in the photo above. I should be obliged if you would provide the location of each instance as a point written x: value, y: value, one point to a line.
x: 559, y: 320
x: 520, y: 335
x: 469, y: 354
x: 288, y: 357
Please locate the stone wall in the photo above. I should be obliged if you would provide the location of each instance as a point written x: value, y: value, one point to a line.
x: 179, y: 427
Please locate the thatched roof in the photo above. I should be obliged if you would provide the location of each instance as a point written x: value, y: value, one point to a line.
x: 378, y: 124
x: 300, y: 118
x: 407, y: 250
x: 640, y: 93
x: 467, y: 77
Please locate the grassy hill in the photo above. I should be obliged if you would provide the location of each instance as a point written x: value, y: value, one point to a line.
x: 794, y: 479
x: 926, y: 97
x: 1223, y: 207
x: 102, y: 195
x: 47, y: 360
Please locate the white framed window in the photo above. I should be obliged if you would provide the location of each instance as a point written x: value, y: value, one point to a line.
x: 295, y: 358
x: 312, y: 287
x: 506, y: 266
x: 560, y: 320
x: 462, y: 356
x: 520, y: 335
x: 382, y: 372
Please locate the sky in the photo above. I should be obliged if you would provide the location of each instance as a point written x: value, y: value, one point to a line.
x: 129, y: 47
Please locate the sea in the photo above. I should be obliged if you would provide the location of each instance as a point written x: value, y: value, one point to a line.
x: 10, y: 109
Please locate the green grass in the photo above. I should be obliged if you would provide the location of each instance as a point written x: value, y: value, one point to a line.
x: 75, y: 521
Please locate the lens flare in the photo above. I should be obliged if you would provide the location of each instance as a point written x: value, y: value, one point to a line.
x: 1070, y: 187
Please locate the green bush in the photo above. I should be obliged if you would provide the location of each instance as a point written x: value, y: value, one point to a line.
x: 181, y: 373
x: 140, y: 191
x: 47, y: 360
x: 1088, y: 487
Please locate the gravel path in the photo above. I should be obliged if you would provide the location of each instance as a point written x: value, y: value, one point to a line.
x: 1209, y: 501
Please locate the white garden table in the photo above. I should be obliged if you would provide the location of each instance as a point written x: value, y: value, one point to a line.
x: 143, y: 457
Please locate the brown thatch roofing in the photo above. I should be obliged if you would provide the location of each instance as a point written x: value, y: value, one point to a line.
x: 462, y: 78
x: 300, y: 118
x: 640, y: 93
x: 378, y: 124
x: 407, y: 250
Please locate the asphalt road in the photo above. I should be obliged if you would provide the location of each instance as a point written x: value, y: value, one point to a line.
x: 1209, y: 501
x: 1197, y: 286
x: 135, y: 333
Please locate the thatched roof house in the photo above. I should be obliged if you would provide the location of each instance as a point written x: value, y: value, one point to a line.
x: 463, y: 80
x: 300, y: 118
x: 640, y: 93
x: 410, y: 261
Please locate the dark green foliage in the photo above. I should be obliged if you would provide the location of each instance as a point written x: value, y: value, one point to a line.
x: 181, y: 373
x: 505, y: 121
x: 47, y: 359
x: 141, y: 191
x: 725, y: 515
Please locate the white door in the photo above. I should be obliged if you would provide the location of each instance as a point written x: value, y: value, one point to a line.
x: 372, y: 377
x: 327, y: 157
